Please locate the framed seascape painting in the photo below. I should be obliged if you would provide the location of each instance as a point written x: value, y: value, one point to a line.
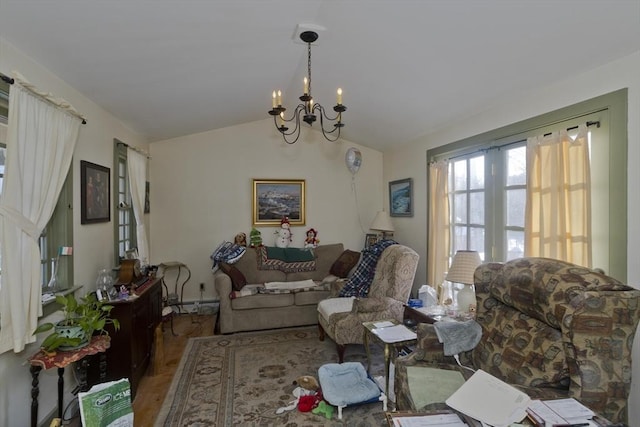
x: 401, y: 197
x: 94, y: 193
x: 275, y: 198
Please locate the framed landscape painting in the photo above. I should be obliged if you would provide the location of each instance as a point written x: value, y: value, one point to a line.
x: 401, y: 197
x: 94, y: 193
x: 275, y: 198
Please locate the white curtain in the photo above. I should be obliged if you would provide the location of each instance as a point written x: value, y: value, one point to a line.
x: 439, y: 224
x: 558, y: 212
x: 137, y: 171
x: 41, y: 136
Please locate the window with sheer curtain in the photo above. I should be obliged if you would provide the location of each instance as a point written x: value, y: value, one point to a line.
x: 490, y: 196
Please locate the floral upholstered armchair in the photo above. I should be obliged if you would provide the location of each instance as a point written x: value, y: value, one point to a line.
x: 341, y: 318
x: 550, y: 328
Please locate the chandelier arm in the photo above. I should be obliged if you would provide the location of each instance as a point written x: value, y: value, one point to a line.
x: 327, y: 133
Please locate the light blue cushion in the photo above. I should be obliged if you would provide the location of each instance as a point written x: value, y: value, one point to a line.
x: 346, y: 384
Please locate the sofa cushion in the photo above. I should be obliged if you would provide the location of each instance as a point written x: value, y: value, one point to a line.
x: 312, y: 297
x: 345, y: 263
x: 237, y: 278
x: 262, y: 301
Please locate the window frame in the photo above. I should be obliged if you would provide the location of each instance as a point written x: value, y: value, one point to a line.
x: 612, y: 105
x: 122, y: 194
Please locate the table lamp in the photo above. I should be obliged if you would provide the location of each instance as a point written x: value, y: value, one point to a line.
x: 382, y: 222
x: 461, y: 271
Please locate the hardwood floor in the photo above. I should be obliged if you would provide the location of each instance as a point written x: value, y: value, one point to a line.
x: 154, y: 385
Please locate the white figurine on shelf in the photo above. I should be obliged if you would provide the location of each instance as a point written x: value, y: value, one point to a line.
x: 284, y: 233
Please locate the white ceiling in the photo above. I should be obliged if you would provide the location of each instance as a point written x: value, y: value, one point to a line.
x: 170, y: 68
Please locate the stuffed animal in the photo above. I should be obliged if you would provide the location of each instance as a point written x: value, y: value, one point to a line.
x: 240, y: 239
x: 255, y: 238
x: 323, y: 408
x: 312, y: 240
x: 284, y: 233
x: 307, y: 382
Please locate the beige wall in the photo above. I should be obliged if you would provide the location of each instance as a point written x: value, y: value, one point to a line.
x: 92, y: 243
x: 201, y: 191
x: 410, y: 160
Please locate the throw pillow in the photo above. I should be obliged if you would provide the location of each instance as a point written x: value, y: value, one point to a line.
x: 237, y: 278
x: 345, y: 263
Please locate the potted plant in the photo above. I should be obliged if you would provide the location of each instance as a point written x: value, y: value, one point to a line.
x: 81, y: 320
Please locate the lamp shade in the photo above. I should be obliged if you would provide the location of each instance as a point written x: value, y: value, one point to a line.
x: 382, y: 222
x: 463, y: 266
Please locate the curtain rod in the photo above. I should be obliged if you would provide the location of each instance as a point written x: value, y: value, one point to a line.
x: 11, y: 81
x: 484, y: 150
x: 136, y: 149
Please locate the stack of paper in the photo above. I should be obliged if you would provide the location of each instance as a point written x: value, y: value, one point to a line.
x: 395, y: 333
x: 561, y: 411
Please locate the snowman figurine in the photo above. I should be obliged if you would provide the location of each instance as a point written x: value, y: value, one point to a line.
x: 284, y: 234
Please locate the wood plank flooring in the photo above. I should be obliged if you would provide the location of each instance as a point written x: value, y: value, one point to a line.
x: 154, y: 386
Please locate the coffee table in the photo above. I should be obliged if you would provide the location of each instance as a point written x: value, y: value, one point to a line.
x: 401, y: 337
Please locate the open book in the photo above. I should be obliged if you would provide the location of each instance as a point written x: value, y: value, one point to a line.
x: 490, y: 400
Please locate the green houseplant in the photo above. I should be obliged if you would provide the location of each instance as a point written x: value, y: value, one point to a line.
x: 81, y: 320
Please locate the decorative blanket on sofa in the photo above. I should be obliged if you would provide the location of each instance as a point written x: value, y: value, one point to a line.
x: 287, y: 260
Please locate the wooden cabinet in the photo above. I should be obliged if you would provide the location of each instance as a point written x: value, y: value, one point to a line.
x: 131, y: 346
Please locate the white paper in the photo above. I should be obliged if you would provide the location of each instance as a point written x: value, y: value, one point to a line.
x: 490, y: 400
x: 448, y: 420
x: 383, y: 324
x: 395, y: 333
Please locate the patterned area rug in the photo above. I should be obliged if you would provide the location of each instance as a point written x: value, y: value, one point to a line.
x: 242, y: 379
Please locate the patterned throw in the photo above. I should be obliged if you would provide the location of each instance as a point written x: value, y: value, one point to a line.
x: 287, y: 260
x: 358, y: 284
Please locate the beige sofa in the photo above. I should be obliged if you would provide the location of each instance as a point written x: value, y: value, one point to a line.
x: 278, y: 310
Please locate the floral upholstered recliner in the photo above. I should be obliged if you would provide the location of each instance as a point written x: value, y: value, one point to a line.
x: 551, y: 328
x: 341, y: 318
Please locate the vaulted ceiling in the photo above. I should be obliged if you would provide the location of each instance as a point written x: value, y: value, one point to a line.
x: 407, y: 67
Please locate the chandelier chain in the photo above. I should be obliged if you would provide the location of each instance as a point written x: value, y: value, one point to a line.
x: 309, y: 65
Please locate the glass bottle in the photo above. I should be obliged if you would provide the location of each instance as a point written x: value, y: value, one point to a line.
x: 104, y: 283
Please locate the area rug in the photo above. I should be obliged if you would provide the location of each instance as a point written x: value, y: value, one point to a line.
x: 242, y: 379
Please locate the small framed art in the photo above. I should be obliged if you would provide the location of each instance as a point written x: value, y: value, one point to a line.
x: 401, y: 197
x: 94, y: 193
x: 370, y: 239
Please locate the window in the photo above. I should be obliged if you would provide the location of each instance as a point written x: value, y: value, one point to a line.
x: 125, y: 223
x: 487, y: 183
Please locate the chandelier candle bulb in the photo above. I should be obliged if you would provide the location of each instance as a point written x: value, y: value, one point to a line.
x: 281, y: 119
x: 339, y: 96
x: 306, y: 86
x: 279, y: 97
x: 273, y: 99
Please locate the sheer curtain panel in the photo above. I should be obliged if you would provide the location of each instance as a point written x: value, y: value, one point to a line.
x: 41, y: 136
x: 558, y: 211
x: 439, y: 224
x: 137, y: 170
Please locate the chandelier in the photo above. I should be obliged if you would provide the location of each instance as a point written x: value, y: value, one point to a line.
x: 307, y: 108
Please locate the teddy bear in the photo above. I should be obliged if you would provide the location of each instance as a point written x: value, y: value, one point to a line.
x: 307, y: 382
x: 240, y: 239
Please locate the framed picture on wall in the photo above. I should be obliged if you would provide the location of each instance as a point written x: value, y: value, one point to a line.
x: 94, y: 193
x: 275, y: 198
x: 401, y: 197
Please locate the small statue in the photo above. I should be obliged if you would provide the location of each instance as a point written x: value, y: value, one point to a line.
x: 240, y: 239
x: 284, y: 234
x: 312, y: 240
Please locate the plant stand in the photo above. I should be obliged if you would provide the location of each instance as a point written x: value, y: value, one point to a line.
x: 60, y: 360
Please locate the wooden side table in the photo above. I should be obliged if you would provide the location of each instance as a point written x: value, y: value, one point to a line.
x: 60, y: 360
